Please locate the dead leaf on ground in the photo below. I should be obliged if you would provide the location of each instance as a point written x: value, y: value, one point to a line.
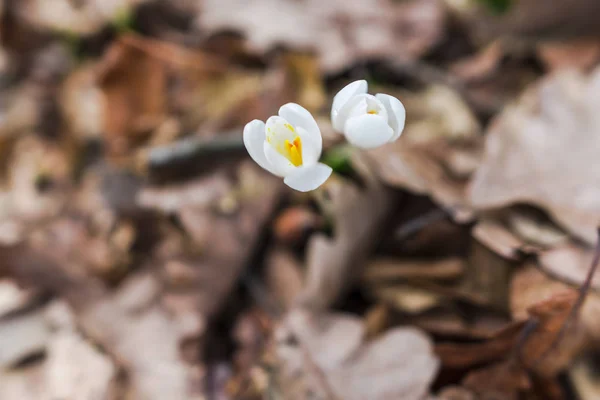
x: 134, y: 76
x: 222, y: 218
x: 582, y: 376
x: 336, y: 30
x: 71, y: 368
x: 581, y: 54
x: 487, y: 276
x: 294, y: 223
x: 132, y: 320
x: 569, y: 263
x: 284, y: 276
x: 12, y: 297
x: 82, y: 103
x: 505, y: 380
x: 398, y: 364
x: 451, y: 323
x: 81, y: 17
x: 358, y: 215
x: 530, y: 20
x: 384, y: 269
x: 23, y: 336
x: 495, y: 348
x: 542, y: 151
x: 494, y: 75
x: 455, y: 393
x: 548, y: 303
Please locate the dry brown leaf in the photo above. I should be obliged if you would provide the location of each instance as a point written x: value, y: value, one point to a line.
x: 542, y: 150
x: 513, y: 232
x: 398, y: 364
x: 359, y: 215
x: 455, y: 393
x: 151, y: 311
x: 449, y: 322
x: 460, y: 355
x: 569, y: 263
x: 386, y: 269
x: 23, y: 336
x: 132, y: 320
x: 407, y: 299
x: 530, y: 286
x: 20, y: 113
x: 582, y: 377
x: 582, y: 54
x: 504, y: 381
x: 306, y: 77
x: 438, y: 151
x: 81, y: 17
x: 531, y: 19
x: 23, y: 384
x: 134, y: 85
x: 82, y: 103
x: 12, y: 297
x: 222, y: 220
x: 487, y: 276
x: 294, y: 223
x: 548, y: 303
x: 495, y: 236
x: 340, y: 32
x: 74, y: 367
x: 134, y: 75
x: 284, y: 276
x: 71, y: 368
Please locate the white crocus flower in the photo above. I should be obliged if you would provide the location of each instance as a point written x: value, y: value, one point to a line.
x: 289, y: 146
x: 367, y: 121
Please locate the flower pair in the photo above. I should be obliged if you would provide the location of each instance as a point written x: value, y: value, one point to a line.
x: 289, y: 145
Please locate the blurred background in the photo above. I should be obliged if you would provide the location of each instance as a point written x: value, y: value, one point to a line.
x: 144, y: 255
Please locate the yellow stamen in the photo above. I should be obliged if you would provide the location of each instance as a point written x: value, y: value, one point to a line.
x: 371, y: 112
x: 294, y: 151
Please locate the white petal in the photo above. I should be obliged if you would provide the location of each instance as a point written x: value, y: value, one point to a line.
x: 307, y: 129
x: 254, y: 137
x: 368, y: 131
x: 278, y: 131
x: 300, y: 117
x: 311, y: 148
x: 396, y: 113
x: 342, y: 97
x: 307, y: 178
x: 279, y: 164
x: 360, y: 105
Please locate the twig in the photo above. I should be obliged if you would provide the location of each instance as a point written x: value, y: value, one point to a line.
x: 414, y: 225
x: 188, y: 156
x: 188, y: 148
x: 583, y: 291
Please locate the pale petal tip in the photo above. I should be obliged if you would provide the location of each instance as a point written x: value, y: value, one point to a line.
x: 360, y: 83
x: 306, y: 179
x: 368, y: 131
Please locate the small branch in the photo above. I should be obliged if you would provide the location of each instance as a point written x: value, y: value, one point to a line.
x: 416, y: 224
x: 189, y: 148
x: 574, y: 313
x: 190, y: 155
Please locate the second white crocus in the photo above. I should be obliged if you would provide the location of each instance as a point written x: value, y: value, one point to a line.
x: 367, y: 121
x: 289, y: 145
